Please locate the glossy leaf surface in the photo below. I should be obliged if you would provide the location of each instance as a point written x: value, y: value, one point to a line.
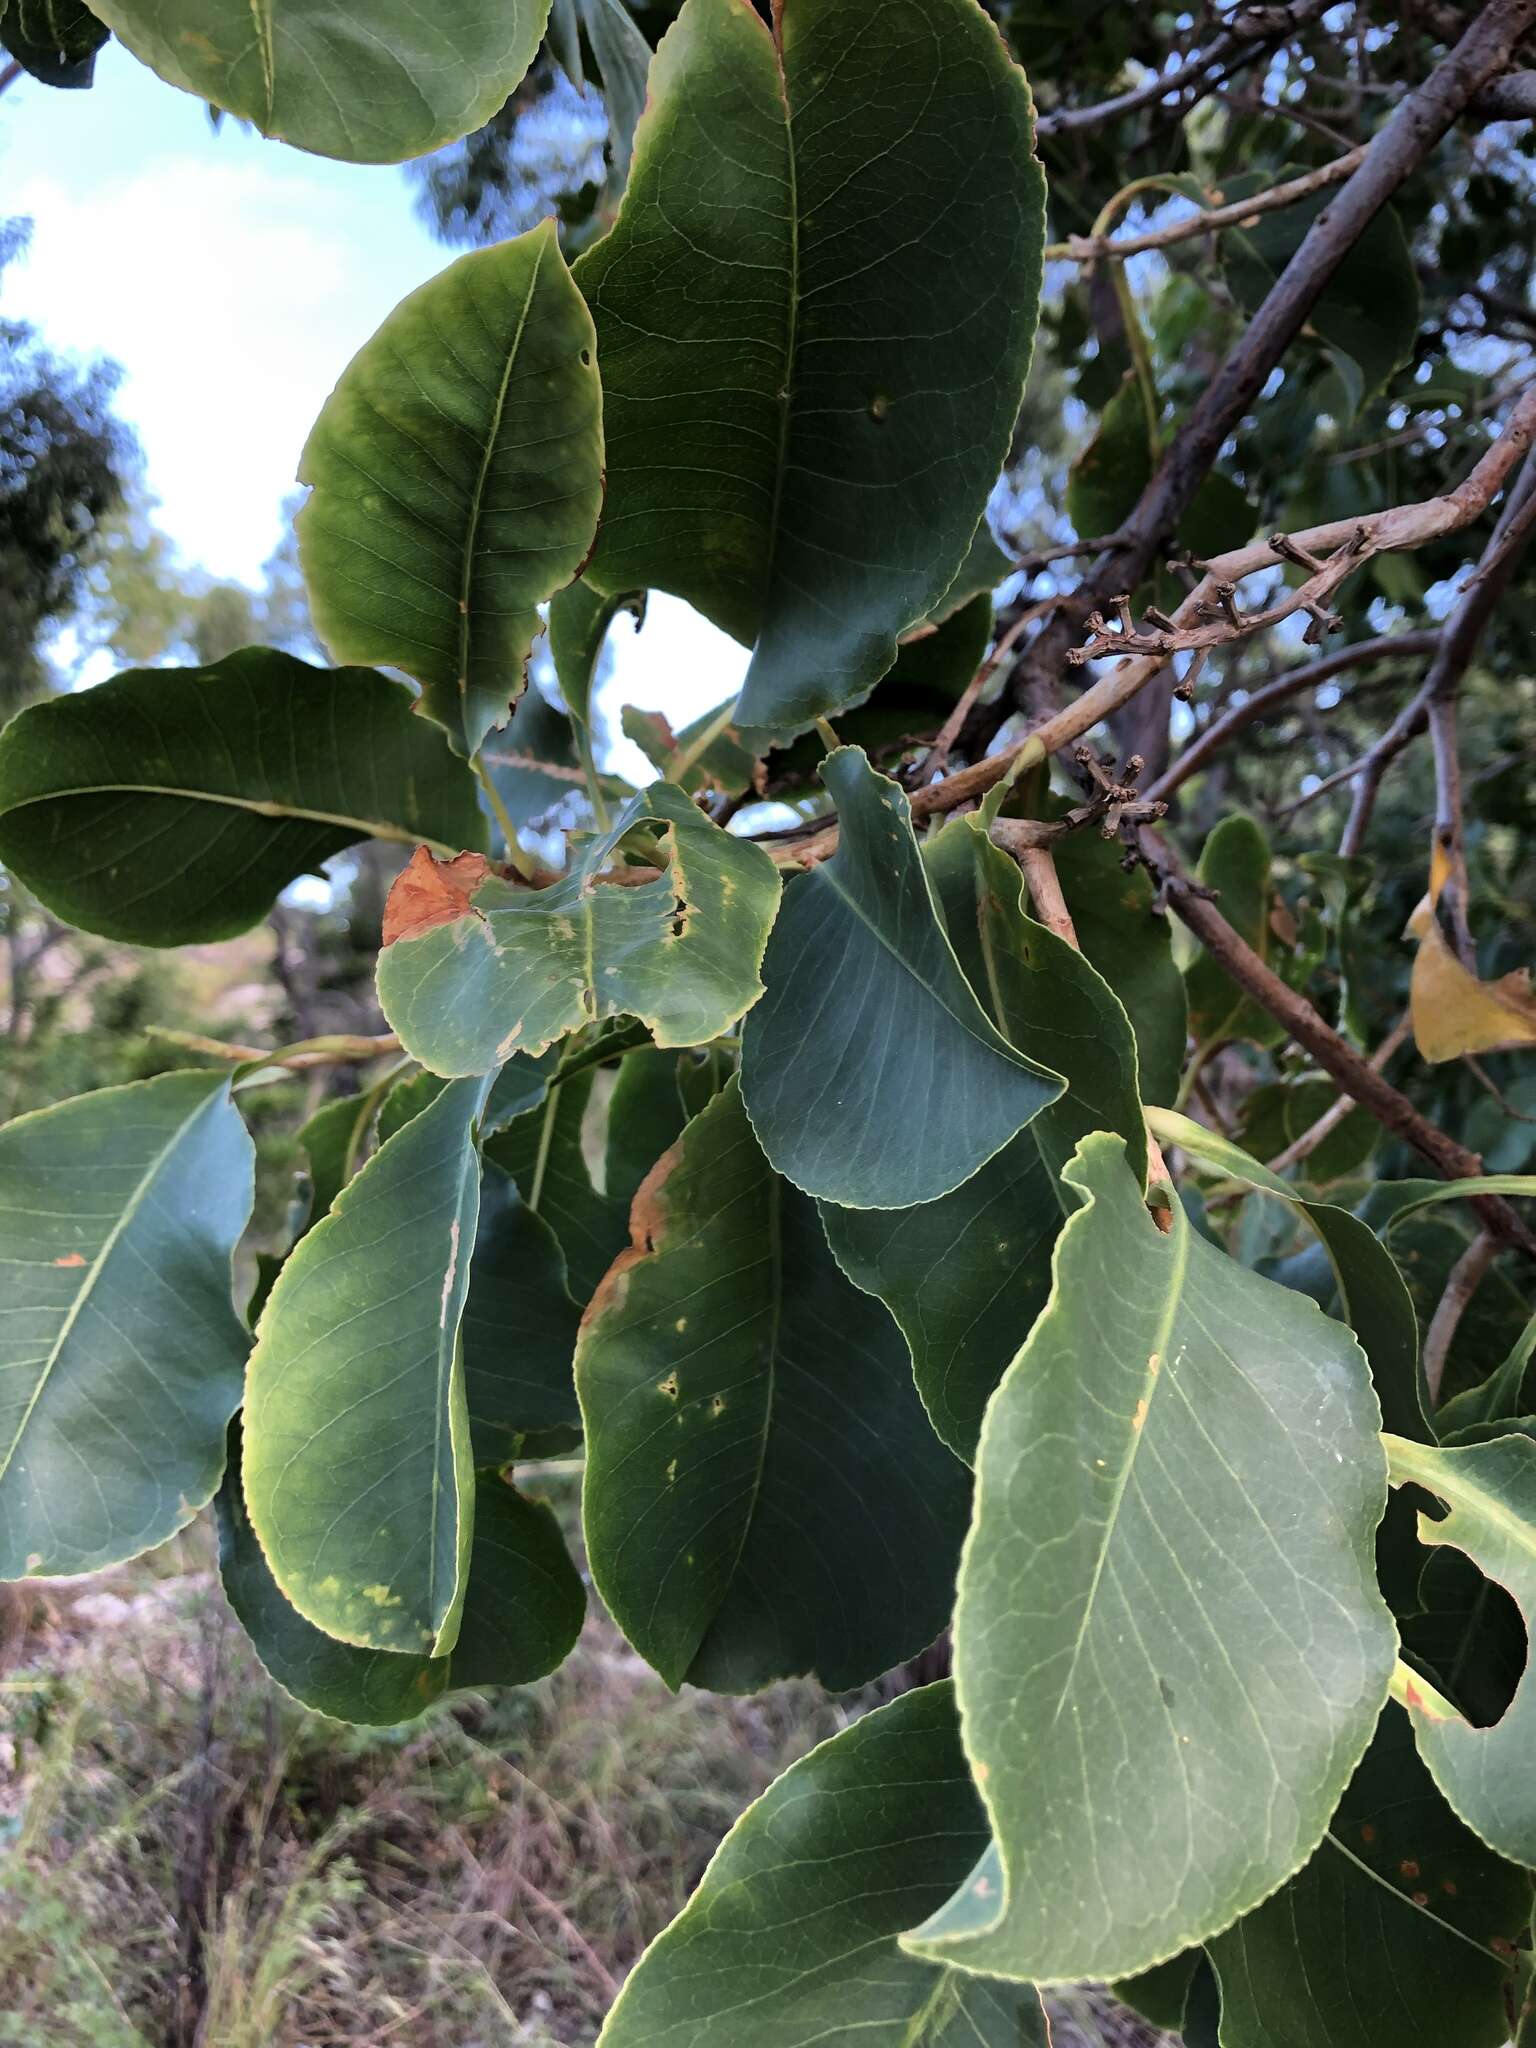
x: 1124, y: 937
x: 867, y: 1013
x: 170, y: 806
x: 790, y: 1940
x: 522, y: 1613
x: 764, y: 1495
x: 802, y: 239
x: 1235, y: 863
x: 476, y: 968
x: 369, y: 81
x: 120, y: 1351
x: 1167, y: 1589
x: 1384, y: 1939
x: 437, y: 566
x: 965, y: 1276
x: 357, y: 1459
x: 519, y: 1326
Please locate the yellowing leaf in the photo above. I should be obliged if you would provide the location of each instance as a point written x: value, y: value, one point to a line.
x: 1453, y: 1012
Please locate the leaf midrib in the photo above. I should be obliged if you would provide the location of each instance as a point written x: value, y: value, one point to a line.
x: 370, y: 828
x: 1150, y: 1384
x: 477, y: 496
x: 1002, y: 1050
x: 792, y: 331
x: 109, y: 1244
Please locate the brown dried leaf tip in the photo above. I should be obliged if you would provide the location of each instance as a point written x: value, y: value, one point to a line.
x: 429, y: 892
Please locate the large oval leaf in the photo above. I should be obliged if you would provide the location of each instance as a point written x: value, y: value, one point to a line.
x: 867, y: 1015
x: 1400, y: 1932
x: 802, y: 240
x: 1167, y: 1589
x: 764, y: 1495
x: 523, y: 1611
x: 120, y: 1350
x: 357, y: 1463
x: 457, y: 472
x: 171, y: 806
x: 374, y: 81
x: 475, y: 967
x: 790, y: 1938
x: 966, y: 1275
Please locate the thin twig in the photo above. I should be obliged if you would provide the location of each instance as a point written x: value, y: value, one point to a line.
x: 1458, y: 642
x: 1463, y: 1281
x: 337, y: 1050
x: 1413, y: 129
x: 1313, y: 1136
x: 1310, y: 676
x: 1090, y: 248
x: 1400, y: 528
x: 1354, y: 1074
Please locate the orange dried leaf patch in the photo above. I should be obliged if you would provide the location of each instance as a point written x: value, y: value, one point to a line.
x: 71, y: 1259
x: 429, y: 892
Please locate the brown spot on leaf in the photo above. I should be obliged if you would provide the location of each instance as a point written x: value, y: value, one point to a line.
x: 1408, y: 1868
x: 71, y: 1259
x: 1367, y: 1833
x: 1420, y: 1898
x: 1140, y: 1416
x: 429, y: 892
x: 647, y: 1221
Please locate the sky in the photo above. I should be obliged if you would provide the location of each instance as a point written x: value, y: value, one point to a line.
x: 233, y: 278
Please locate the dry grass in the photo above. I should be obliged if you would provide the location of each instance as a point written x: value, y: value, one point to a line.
x: 190, y: 1860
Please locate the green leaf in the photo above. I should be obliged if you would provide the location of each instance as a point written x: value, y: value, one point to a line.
x: 579, y: 618
x: 491, y: 967
x: 522, y: 1614
x: 1111, y: 471
x: 1123, y: 936
x: 1368, y: 312
x: 332, y: 1140
x: 1383, y: 1939
x: 519, y: 1326
x: 1489, y: 1491
x: 867, y: 1016
x: 55, y: 40
x: 357, y: 1458
x: 1115, y: 467
x: 791, y: 1937
x: 645, y: 1116
x: 375, y: 81
x: 1275, y: 1115
x: 983, y: 569
x: 917, y: 696
x: 623, y: 59
x: 966, y: 1275
x: 721, y: 763
x: 120, y: 1350
x: 1373, y: 1299
x: 1235, y: 863
x: 1499, y: 1398
x: 436, y: 566
x: 543, y: 1152
x: 171, y: 806
x: 801, y: 239
x: 764, y: 1495
x: 1167, y: 1589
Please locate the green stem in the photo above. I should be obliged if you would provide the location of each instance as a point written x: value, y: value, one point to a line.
x: 595, y: 794
x: 508, y: 830
x: 682, y: 759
